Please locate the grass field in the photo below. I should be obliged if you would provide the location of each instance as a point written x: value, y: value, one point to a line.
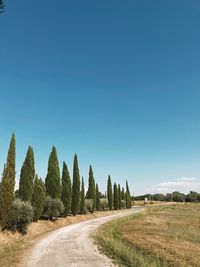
x: 160, y: 236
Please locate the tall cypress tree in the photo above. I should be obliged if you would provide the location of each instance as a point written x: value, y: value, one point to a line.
x: 1, y: 6
x: 119, y: 197
x: 27, y: 176
x: 75, y: 187
x: 38, y: 197
x: 128, y: 197
x: 97, y: 198
x: 82, y: 204
x: 109, y: 193
x: 52, y: 182
x: 66, y: 189
x: 91, y: 194
x: 122, y: 194
x: 116, y: 199
x: 8, y: 184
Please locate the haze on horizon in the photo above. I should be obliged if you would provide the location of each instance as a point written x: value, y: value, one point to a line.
x: 118, y: 84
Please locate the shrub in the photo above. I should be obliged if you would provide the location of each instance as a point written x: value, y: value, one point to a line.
x: 123, y: 204
x: 89, y: 205
x: 53, y: 208
x: 192, y: 197
x: 103, y: 203
x: 21, y: 215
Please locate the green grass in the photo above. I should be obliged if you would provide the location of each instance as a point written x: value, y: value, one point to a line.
x: 160, y: 236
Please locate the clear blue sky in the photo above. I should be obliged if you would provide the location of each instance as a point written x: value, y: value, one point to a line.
x: 117, y: 82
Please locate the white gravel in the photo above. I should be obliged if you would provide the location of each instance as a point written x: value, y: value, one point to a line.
x: 71, y: 246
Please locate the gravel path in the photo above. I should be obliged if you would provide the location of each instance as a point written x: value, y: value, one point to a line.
x: 71, y: 246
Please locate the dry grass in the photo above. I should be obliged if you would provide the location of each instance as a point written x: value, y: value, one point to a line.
x: 14, y: 248
x: 162, y: 236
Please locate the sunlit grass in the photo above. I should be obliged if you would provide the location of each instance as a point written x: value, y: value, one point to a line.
x: 161, y: 236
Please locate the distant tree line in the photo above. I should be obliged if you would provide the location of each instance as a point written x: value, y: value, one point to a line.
x: 54, y: 197
x: 175, y: 197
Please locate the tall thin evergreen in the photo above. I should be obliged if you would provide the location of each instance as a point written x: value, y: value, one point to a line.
x: 27, y: 176
x: 119, y: 197
x: 97, y: 198
x: 128, y: 196
x: 91, y: 194
x: 52, y: 182
x: 123, y: 194
x: 8, y: 184
x: 75, y: 187
x: 66, y: 189
x: 82, y: 204
x: 116, y: 199
x: 1, y: 6
x: 38, y: 197
x: 109, y: 193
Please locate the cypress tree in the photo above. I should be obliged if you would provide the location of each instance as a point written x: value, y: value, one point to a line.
x: 109, y: 193
x: 122, y: 194
x: 97, y: 198
x: 66, y: 189
x: 82, y: 204
x: 8, y: 184
x: 27, y: 176
x: 75, y: 187
x: 91, y: 194
x: 52, y: 182
x: 119, y: 197
x: 128, y: 197
x: 116, y: 199
x: 38, y: 197
x: 1, y: 6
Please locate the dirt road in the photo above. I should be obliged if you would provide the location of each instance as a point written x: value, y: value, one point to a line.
x: 72, y: 246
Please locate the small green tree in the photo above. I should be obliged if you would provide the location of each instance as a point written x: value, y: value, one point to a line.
x: 103, y: 203
x: 38, y: 197
x: 75, y: 187
x: 27, y: 176
x: 91, y: 194
x: 66, y: 189
x: 97, y: 198
x: 21, y: 215
x: 119, y: 197
x: 89, y: 205
x: 128, y: 196
x: 82, y: 204
x: 53, y: 207
x: 8, y: 184
x: 116, y: 199
x: 109, y: 193
x: 52, y: 182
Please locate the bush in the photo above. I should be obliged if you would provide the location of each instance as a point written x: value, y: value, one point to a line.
x: 103, y: 203
x: 192, y: 197
x: 53, y: 208
x: 21, y: 215
x: 89, y: 205
x: 123, y: 204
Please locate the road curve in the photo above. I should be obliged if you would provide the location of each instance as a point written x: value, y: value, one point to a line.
x: 71, y: 246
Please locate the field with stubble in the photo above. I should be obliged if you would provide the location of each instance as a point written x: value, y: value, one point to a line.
x: 160, y: 236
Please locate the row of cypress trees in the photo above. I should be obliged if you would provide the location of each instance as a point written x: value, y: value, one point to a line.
x: 34, y: 190
x: 116, y: 195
